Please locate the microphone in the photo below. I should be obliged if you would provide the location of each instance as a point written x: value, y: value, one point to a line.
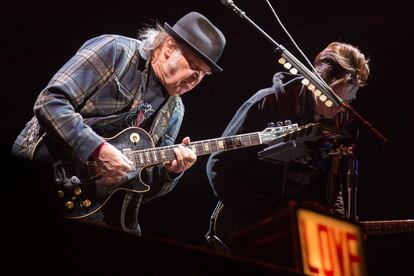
x: 226, y: 2
x: 230, y: 4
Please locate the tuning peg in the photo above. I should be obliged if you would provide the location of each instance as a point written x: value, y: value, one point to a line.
x: 279, y: 123
x: 288, y: 122
x: 271, y: 124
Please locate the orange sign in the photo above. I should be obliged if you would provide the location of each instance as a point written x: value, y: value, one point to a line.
x: 330, y: 246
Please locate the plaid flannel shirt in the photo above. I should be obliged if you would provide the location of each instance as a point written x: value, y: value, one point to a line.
x: 100, y: 80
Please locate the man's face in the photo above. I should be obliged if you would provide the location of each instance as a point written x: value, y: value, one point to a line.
x: 346, y: 91
x: 183, y: 70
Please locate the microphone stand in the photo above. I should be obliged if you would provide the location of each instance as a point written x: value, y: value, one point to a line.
x: 352, y: 184
x: 321, y: 85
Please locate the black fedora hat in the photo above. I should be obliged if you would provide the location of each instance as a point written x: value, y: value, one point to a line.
x: 201, y: 36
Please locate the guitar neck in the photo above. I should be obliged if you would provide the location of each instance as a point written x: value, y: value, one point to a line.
x: 388, y: 226
x: 153, y: 156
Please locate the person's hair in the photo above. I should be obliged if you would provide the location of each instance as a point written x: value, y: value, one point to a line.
x: 341, y: 62
x: 150, y: 39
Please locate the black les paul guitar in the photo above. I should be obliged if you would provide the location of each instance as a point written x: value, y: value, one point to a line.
x: 80, y: 195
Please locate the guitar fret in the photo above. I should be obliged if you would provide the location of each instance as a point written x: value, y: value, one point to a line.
x: 206, y: 147
x: 255, y: 139
x: 170, y: 153
x: 246, y: 140
x: 237, y: 142
x: 141, y: 159
x: 137, y: 159
x: 220, y: 145
x: 214, y: 146
x: 155, y: 156
x: 147, y: 157
x: 199, y: 148
x: 228, y: 143
x: 157, y: 153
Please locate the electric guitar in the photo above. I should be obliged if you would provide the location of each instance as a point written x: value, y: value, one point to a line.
x: 223, y: 225
x: 79, y: 195
x: 381, y: 227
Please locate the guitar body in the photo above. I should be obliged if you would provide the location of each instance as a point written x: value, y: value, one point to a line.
x: 78, y: 191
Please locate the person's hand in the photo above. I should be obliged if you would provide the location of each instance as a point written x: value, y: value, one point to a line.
x: 184, y: 158
x: 112, y: 165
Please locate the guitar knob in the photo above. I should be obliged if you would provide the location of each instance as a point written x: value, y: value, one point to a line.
x: 60, y: 194
x: 77, y: 191
x: 69, y: 205
x: 134, y: 137
x: 288, y: 122
x: 271, y: 124
x: 86, y: 203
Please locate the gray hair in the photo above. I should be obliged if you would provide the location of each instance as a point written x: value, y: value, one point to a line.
x: 150, y: 38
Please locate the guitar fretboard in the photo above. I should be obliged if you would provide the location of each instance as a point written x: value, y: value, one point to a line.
x: 388, y: 226
x: 154, y: 156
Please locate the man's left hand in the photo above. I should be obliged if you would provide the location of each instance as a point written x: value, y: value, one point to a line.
x: 184, y: 158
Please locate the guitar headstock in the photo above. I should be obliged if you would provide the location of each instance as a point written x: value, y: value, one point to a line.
x: 289, y: 131
x: 272, y: 132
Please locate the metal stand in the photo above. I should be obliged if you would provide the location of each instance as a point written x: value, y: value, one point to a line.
x: 352, y: 184
x: 212, y: 240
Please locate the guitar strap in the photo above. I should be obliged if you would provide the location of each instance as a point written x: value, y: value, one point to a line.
x: 129, y: 218
x: 131, y: 225
x: 162, y: 119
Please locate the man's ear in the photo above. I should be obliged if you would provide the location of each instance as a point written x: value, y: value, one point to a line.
x: 169, y: 47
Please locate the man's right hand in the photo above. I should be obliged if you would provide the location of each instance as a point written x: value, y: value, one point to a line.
x: 112, y: 165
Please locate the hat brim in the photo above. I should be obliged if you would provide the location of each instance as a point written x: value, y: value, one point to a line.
x: 205, y: 58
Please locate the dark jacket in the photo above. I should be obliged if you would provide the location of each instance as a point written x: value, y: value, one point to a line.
x: 253, y: 188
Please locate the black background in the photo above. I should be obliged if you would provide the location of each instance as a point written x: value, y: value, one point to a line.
x: 37, y: 39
